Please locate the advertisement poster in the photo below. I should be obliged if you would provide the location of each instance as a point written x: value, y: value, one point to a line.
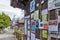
x: 33, y: 25
x: 53, y: 28
x: 36, y: 15
x: 44, y: 18
x: 44, y: 33
x: 45, y: 11
x: 32, y: 5
x: 45, y: 26
x: 28, y: 26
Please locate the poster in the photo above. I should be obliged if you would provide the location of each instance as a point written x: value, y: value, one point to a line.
x: 28, y: 26
x: 44, y: 18
x: 36, y: 15
x: 53, y: 28
x: 33, y: 25
x: 53, y: 22
x: 44, y: 33
x: 45, y: 11
x: 32, y: 5
x: 41, y: 25
x: 45, y: 26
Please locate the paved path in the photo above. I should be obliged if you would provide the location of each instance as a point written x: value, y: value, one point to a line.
x: 8, y: 35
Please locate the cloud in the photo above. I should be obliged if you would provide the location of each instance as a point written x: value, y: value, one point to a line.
x: 5, y: 7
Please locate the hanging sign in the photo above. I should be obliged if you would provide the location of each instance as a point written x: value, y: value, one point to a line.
x: 32, y: 5
x: 36, y: 15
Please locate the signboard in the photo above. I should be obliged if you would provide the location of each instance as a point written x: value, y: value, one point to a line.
x: 44, y: 33
x: 36, y: 15
x: 32, y: 5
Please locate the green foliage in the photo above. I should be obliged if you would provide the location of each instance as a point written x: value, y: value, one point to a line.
x: 4, y: 20
x: 18, y: 34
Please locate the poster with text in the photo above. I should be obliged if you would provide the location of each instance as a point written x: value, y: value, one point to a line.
x: 53, y: 28
x: 36, y: 15
x: 33, y: 24
x: 44, y: 18
x: 32, y: 5
x: 44, y: 33
x: 45, y: 26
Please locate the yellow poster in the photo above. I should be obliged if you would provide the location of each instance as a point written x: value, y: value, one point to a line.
x: 44, y: 18
x: 44, y: 34
x: 36, y: 15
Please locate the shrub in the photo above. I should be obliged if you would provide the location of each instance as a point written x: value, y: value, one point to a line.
x: 18, y: 34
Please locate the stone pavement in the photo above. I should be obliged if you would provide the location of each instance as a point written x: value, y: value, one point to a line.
x: 8, y: 35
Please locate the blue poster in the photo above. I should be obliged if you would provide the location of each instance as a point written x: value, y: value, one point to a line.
x: 33, y: 25
x: 32, y: 5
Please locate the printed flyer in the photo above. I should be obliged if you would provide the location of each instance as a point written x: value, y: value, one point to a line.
x: 44, y: 18
x: 36, y: 15
x: 44, y: 33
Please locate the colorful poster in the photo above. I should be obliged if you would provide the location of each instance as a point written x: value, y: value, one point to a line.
x: 44, y: 33
x: 45, y: 26
x: 32, y: 5
x: 44, y: 18
x: 33, y: 25
x: 36, y: 15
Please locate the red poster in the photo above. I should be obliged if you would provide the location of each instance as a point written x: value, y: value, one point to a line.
x: 45, y: 26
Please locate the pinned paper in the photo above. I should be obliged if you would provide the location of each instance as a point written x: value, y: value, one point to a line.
x: 44, y: 33
x: 36, y: 15
x: 44, y: 18
x: 45, y: 26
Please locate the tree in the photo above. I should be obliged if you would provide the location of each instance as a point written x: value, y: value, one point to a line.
x: 4, y: 20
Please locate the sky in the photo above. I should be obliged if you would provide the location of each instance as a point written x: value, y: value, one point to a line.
x: 5, y: 7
